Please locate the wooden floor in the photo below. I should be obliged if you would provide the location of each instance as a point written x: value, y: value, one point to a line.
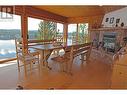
x: 94, y: 75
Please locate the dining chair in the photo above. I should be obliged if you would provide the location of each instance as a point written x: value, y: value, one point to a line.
x: 23, y: 58
x: 63, y: 60
x: 71, y: 52
x: 59, y: 41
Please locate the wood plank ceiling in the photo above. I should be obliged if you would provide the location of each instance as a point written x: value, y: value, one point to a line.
x: 79, y: 11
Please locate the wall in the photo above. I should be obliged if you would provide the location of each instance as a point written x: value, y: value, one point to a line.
x: 120, y: 33
x: 121, y: 13
x: 118, y: 14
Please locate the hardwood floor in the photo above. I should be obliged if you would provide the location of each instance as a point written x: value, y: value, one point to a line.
x: 94, y: 75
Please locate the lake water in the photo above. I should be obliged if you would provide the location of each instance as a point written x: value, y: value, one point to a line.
x: 7, y: 49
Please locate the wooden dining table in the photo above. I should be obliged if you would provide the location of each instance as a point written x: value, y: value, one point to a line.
x: 45, y: 51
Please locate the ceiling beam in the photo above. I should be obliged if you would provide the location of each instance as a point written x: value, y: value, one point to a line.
x: 42, y: 14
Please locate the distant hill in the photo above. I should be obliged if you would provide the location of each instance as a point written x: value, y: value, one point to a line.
x: 9, y: 34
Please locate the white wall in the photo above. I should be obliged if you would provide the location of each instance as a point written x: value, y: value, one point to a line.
x: 121, y: 13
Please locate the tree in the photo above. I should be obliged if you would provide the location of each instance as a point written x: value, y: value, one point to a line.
x: 47, y: 30
x: 83, y: 32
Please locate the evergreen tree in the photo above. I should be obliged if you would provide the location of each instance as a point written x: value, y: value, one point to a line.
x: 83, y: 32
x: 47, y: 30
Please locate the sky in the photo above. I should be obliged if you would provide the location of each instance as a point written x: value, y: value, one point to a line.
x: 15, y: 23
x: 72, y: 27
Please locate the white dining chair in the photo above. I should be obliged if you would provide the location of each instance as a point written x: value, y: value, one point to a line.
x: 23, y: 59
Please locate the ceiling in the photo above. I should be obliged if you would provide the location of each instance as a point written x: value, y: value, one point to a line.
x: 78, y: 11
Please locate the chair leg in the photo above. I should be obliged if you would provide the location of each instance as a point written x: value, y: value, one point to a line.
x: 57, y: 52
x: 82, y: 58
x: 87, y: 58
x: 38, y: 63
x: 65, y: 66
x: 25, y: 68
x: 61, y: 67
x: 31, y: 65
x: 18, y: 65
x: 70, y: 67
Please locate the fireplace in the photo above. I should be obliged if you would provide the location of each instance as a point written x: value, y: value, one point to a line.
x: 109, y: 40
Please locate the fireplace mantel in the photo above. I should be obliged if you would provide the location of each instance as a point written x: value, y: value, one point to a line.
x: 108, y: 29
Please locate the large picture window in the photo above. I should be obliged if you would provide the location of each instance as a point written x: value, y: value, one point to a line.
x: 33, y: 25
x: 72, y: 30
x: 78, y: 33
x: 42, y: 29
x: 9, y: 29
x: 83, y: 32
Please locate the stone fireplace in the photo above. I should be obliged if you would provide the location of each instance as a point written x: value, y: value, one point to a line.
x: 112, y: 32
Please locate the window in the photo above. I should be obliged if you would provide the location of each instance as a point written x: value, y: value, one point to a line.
x: 72, y: 30
x: 42, y: 29
x: 33, y: 25
x: 78, y: 33
x: 60, y: 29
x: 9, y: 29
x: 83, y: 32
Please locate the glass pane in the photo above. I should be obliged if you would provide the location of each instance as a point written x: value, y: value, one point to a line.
x: 83, y: 32
x: 42, y: 29
x: 72, y: 28
x: 33, y: 25
x: 9, y: 29
x: 59, y: 29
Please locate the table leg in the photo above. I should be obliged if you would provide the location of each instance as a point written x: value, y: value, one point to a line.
x: 44, y: 56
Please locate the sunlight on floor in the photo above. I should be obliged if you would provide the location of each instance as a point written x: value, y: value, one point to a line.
x: 8, y: 63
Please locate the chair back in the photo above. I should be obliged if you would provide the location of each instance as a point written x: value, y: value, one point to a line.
x: 77, y: 50
x: 25, y: 56
x: 59, y: 39
x: 20, y: 53
x: 18, y: 45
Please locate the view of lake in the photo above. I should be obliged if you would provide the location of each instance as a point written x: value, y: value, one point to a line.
x: 11, y: 29
x: 7, y: 49
x: 7, y: 42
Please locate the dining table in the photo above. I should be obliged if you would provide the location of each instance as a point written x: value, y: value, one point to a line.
x: 45, y: 51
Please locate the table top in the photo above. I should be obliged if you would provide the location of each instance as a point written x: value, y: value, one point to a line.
x: 52, y: 46
x: 46, y: 46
